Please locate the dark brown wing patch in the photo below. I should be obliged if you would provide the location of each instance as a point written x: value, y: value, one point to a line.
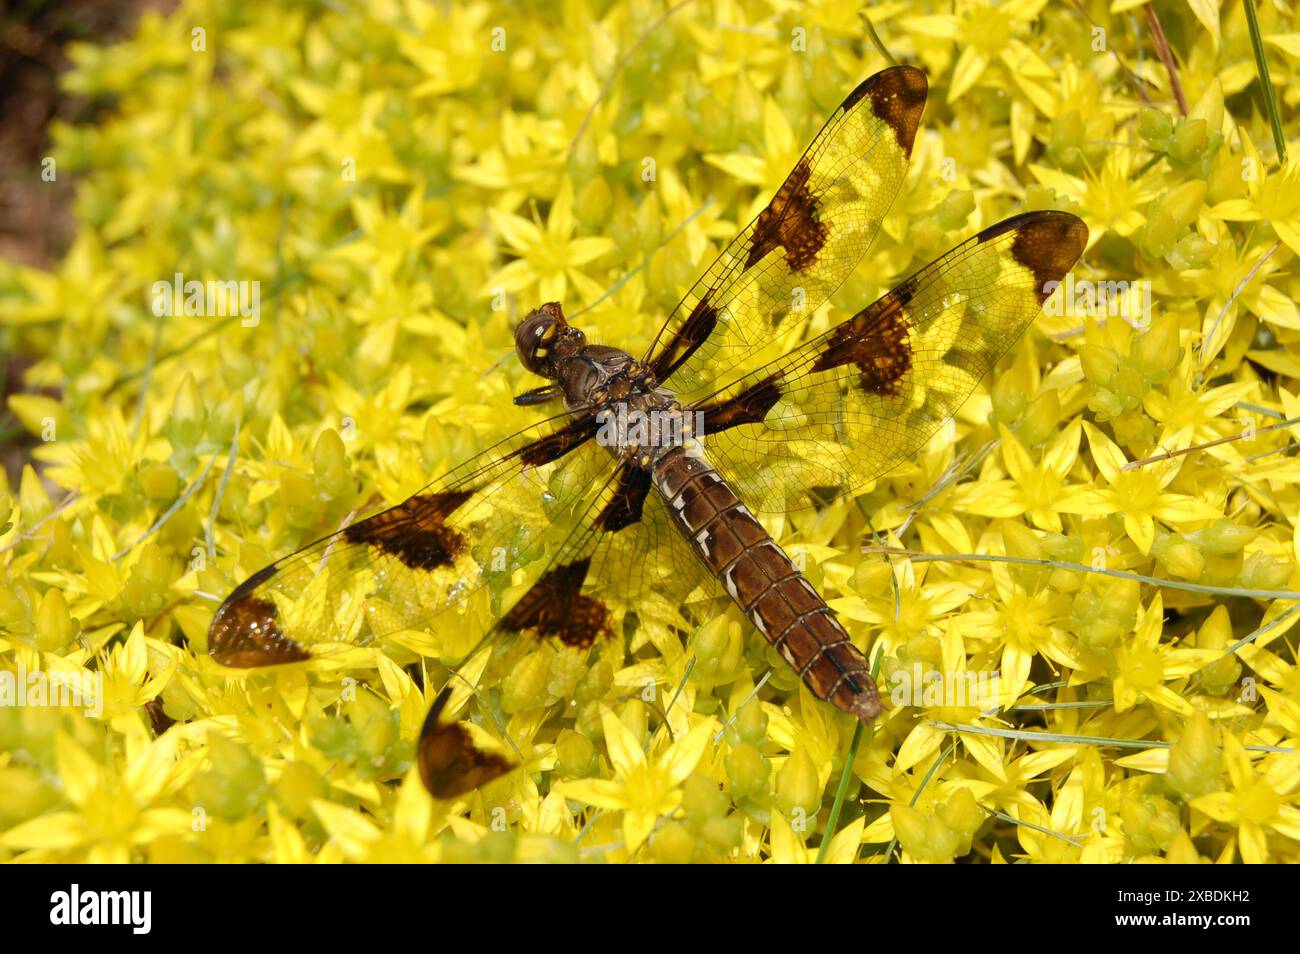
x: 555, y: 445
x: 750, y: 406
x: 450, y: 763
x: 1046, y: 243
x: 876, y: 339
x: 624, y: 508
x: 415, y: 531
x: 898, y: 98
x: 556, y: 607
x: 790, y: 221
x: 244, y: 633
x: 693, y: 333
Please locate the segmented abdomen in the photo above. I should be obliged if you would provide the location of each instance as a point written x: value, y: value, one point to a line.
x: 763, y: 581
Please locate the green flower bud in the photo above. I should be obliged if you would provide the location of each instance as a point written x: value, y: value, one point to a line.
x: 925, y: 837
x: 1150, y: 823
x: 187, y: 422
x: 1159, y: 235
x: 55, y: 627
x: 1195, y: 759
x: 594, y: 202
x: 298, y: 785
x: 797, y: 786
x: 673, y: 844
x: 1156, y: 128
x: 588, y: 720
x: 145, y: 592
x: 1191, y: 252
x: 1223, y: 537
x: 1184, y: 560
x: 497, y: 848
x: 549, y: 850
x: 747, y: 771
x: 1157, y: 352
x: 710, y: 643
x: 702, y: 799
x: 1041, y: 419
x: 575, y: 754
x: 377, y: 729
x: 1106, y: 405
x: 751, y: 723
x: 1009, y: 398
x: 1189, y: 141
x: 1100, y: 365
x: 1263, y: 572
x: 330, y: 465
x: 724, y: 834
x: 159, y: 481
x: 924, y: 648
x: 1120, y: 600
x: 1101, y: 636
x: 1220, y: 676
x: 963, y: 817
x: 596, y: 682
x: 234, y: 785
x: 1216, y: 631
x: 298, y: 492
x: 1183, y: 202
x: 565, y: 671
x: 1129, y: 386
x: 27, y: 794
x: 955, y: 208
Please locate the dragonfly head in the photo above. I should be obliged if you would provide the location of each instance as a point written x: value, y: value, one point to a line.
x: 544, y: 339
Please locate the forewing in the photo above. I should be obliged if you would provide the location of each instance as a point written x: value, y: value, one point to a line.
x: 800, y: 248
x: 850, y: 405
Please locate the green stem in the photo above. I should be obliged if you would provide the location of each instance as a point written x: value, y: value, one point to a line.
x: 1261, y: 65
x: 847, y: 773
x: 875, y: 38
x: 1148, y: 165
x: 1238, y: 591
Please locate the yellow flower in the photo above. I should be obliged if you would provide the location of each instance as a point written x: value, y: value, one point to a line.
x: 1034, y: 489
x: 116, y: 812
x: 402, y: 841
x: 393, y: 240
x: 1274, y: 198
x: 1144, y: 664
x: 127, y: 683
x: 778, y: 152
x: 1138, y: 494
x: 643, y: 788
x: 550, y: 258
x: 1259, y: 802
x: 788, y: 848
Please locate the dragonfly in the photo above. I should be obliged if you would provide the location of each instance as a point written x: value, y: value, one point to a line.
x: 646, y: 478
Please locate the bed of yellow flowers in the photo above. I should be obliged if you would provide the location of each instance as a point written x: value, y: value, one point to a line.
x: 391, y: 171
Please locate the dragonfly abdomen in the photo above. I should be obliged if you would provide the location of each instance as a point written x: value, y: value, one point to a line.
x: 760, y: 577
